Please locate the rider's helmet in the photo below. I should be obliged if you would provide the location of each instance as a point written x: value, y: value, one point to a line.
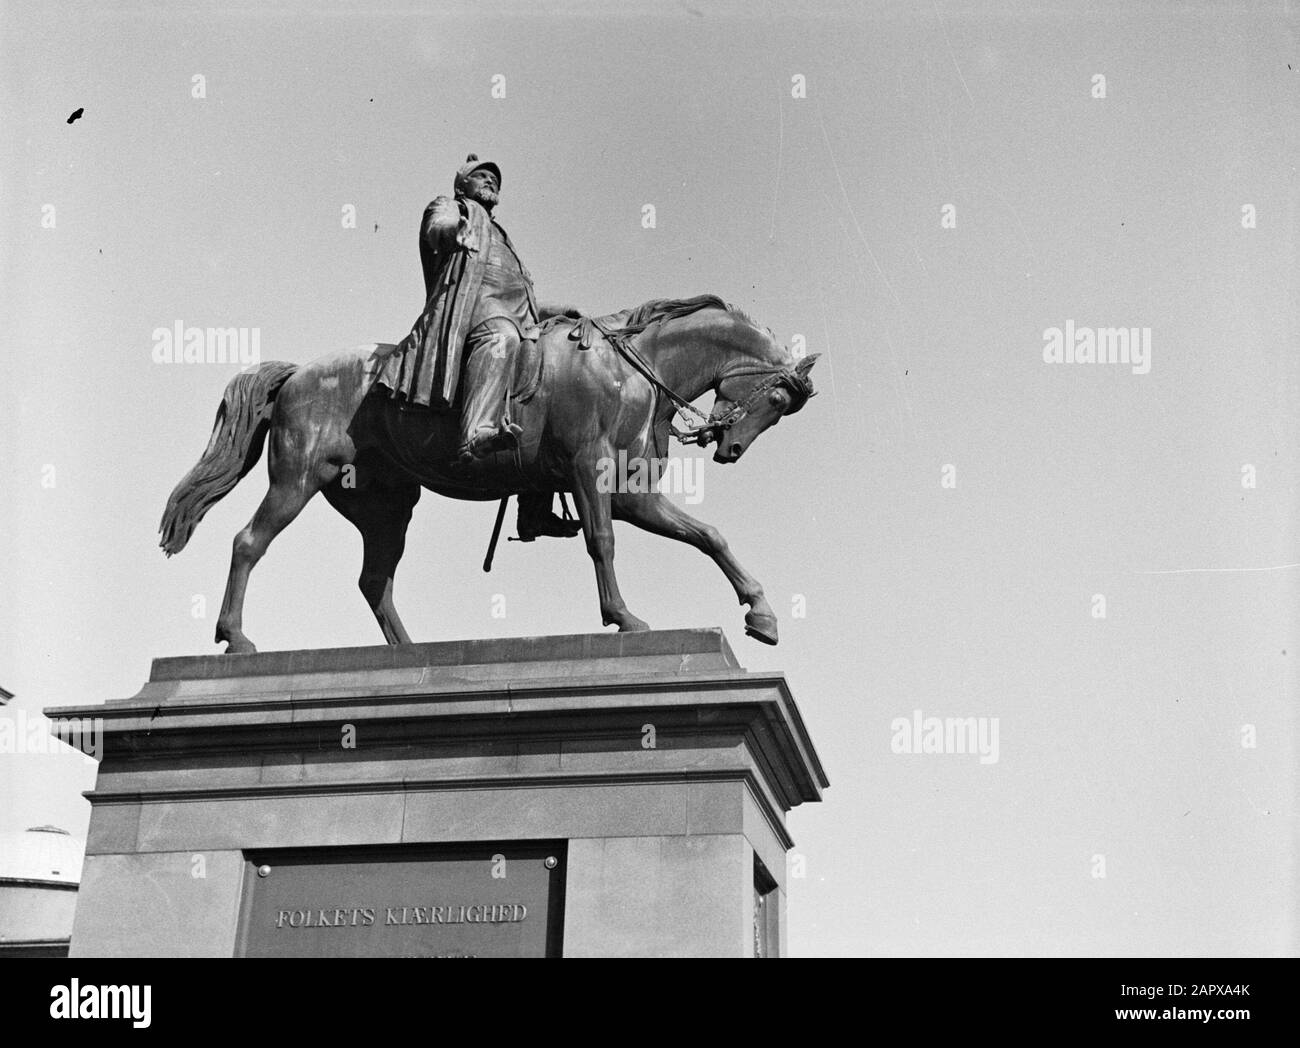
x: 472, y: 164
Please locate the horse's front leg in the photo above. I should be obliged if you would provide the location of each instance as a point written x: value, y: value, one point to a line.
x: 654, y: 513
x: 598, y: 529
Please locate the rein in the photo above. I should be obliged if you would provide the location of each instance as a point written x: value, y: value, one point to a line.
x: 712, y: 428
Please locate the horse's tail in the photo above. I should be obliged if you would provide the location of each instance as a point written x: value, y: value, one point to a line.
x: 233, y: 449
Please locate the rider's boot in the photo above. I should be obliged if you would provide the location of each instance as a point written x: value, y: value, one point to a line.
x: 488, y: 440
x: 535, y: 519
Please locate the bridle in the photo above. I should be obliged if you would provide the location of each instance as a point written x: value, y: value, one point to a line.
x: 798, y: 386
x: 712, y: 427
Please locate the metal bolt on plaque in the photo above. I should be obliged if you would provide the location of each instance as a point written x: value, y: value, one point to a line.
x: 552, y: 862
x: 264, y: 871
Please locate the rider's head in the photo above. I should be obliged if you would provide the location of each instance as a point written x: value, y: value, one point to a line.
x: 480, y: 180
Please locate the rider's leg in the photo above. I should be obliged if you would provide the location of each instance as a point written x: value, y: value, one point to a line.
x: 490, y: 356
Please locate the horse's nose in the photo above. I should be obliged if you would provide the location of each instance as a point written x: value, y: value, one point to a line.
x: 728, y: 452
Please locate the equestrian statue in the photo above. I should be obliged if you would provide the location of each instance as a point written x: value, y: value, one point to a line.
x: 493, y: 395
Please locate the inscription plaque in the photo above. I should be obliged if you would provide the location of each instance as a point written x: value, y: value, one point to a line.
x: 498, y: 899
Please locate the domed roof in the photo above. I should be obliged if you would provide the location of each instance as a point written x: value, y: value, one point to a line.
x: 41, y: 853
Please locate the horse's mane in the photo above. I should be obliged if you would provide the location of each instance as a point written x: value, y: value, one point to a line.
x: 634, y: 321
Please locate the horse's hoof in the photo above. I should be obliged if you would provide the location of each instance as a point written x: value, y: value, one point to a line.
x: 761, y: 627
x: 634, y: 626
x: 241, y: 647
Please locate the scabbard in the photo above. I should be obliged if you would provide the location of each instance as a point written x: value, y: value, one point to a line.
x: 496, y: 534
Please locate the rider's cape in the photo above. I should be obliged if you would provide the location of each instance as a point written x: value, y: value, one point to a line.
x: 425, y: 368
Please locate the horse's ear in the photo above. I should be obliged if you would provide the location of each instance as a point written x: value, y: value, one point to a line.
x: 804, y: 366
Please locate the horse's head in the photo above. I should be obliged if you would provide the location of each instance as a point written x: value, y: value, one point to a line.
x: 753, y: 395
x: 702, y: 343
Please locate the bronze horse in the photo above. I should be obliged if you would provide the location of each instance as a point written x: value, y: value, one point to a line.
x: 333, y: 430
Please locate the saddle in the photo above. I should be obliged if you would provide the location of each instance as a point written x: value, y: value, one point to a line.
x: 524, y: 382
x: 585, y: 331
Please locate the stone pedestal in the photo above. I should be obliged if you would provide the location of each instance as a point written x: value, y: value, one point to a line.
x: 590, y: 796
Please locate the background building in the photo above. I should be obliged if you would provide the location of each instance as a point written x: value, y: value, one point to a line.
x: 39, y: 872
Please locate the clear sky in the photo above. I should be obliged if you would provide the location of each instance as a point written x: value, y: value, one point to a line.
x: 1125, y: 737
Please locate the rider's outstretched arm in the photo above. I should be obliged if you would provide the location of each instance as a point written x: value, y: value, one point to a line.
x: 438, y: 230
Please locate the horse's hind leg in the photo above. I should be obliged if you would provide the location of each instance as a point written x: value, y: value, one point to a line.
x: 655, y: 513
x: 294, y: 480
x: 381, y: 514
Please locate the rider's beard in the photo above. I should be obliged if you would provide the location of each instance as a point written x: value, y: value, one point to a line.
x: 487, y: 197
